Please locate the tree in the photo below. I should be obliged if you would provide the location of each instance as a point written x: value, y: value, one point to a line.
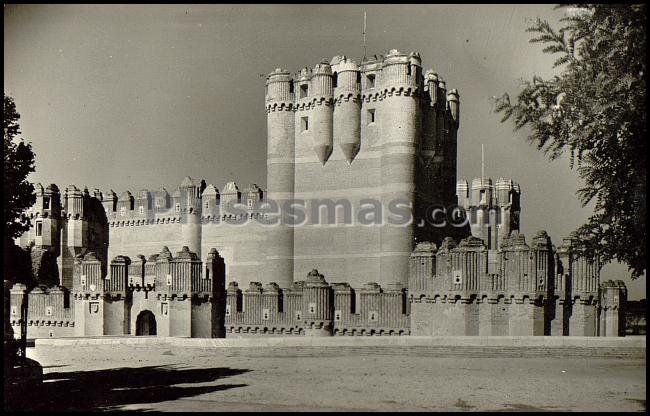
x: 18, y: 163
x: 594, y: 108
x: 18, y: 196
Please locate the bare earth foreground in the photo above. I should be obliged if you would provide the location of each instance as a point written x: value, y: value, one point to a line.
x: 177, y: 378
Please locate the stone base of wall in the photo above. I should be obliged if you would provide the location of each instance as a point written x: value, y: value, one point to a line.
x: 45, y: 331
x: 471, y: 318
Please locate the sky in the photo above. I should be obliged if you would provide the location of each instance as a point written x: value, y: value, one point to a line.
x: 127, y: 97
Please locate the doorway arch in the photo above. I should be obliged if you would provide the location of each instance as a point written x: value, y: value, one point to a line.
x: 145, y: 323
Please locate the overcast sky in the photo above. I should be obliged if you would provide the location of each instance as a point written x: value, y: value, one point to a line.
x: 138, y: 96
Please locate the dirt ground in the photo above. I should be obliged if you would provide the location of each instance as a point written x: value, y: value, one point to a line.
x: 164, y: 378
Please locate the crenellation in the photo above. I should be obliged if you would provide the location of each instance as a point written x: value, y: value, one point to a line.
x: 528, y: 294
x: 119, y: 278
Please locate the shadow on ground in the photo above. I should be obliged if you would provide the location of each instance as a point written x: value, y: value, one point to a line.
x: 112, y: 388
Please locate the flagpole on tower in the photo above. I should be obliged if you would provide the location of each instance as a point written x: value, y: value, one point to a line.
x: 364, y: 35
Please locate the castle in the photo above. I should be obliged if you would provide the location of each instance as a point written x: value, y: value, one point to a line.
x: 376, y: 138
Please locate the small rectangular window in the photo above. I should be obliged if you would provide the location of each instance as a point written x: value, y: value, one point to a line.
x: 304, y: 123
x: 371, y: 116
x: 304, y: 90
x: 46, y: 203
x: 335, y: 80
x: 370, y: 83
x: 291, y: 87
x: 39, y: 229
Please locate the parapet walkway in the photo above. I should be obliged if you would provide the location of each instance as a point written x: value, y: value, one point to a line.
x: 509, y: 346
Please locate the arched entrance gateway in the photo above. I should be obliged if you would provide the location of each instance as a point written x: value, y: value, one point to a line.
x: 145, y: 324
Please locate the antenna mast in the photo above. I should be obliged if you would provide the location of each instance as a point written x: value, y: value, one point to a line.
x: 364, y: 35
x: 482, y: 163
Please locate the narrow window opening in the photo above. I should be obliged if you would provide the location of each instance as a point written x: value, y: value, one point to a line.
x: 291, y: 87
x: 358, y: 77
x: 370, y: 81
x: 408, y: 70
x: 39, y: 229
x: 304, y: 123
x: 335, y: 80
x: 304, y: 90
x: 46, y: 203
x: 371, y: 116
x: 66, y: 298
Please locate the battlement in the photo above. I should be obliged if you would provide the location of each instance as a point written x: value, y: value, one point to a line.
x: 316, y: 307
x: 48, y: 312
x: 330, y: 95
x: 484, y: 193
x: 393, y: 72
x: 493, y: 209
x: 146, y: 207
x: 533, y: 290
x: 522, y: 271
x: 162, y: 274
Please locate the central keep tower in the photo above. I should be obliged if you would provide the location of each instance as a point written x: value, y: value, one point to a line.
x: 346, y: 139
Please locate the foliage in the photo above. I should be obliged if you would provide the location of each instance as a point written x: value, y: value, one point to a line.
x: 18, y: 163
x: 595, y: 109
